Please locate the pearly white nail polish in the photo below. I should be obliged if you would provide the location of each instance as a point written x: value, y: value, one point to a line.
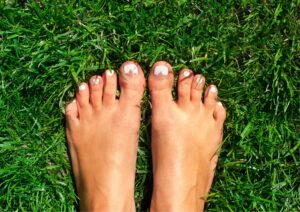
x: 96, y: 81
x: 199, y: 80
x: 109, y: 73
x: 131, y: 68
x: 220, y: 103
x: 68, y: 110
x: 74, y: 100
x: 213, y: 89
x: 82, y: 87
x: 163, y: 70
x: 186, y: 73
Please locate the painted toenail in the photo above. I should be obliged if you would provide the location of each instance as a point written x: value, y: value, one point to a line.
x: 96, y: 81
x: 220, y: 103
x: 74, y: 100
x: 109, y: 73
x: 163, y: 70
x: 68, y: 110
x: 186, y: 73
x: 213, y: 89
x: 82, y: 87
x: 131, y: 68
x: 199, y: 80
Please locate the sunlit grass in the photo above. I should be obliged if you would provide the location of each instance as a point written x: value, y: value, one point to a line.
x: 250, y: 50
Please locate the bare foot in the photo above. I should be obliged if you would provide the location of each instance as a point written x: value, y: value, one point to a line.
x: 102, y: 134
x: 186, y: 135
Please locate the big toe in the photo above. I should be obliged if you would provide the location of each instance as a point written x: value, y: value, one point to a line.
x: 161, y: 82
x: 132, y: 84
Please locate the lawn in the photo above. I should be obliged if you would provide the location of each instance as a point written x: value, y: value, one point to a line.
x: 250, y: 50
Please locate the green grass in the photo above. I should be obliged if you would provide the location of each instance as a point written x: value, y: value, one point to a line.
x: 250, y: 50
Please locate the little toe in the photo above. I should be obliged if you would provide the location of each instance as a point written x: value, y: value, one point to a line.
x: 96, y: 87
x: 110, y: 87
x: 83, y: 97
x: 132, y: 84
x: 184, y: 86
x: 72, y: 120
x: 197, y: 89
x: 160, y: 83
x: 71, y: 113
x: 219, y: 114
x: 210, y: 98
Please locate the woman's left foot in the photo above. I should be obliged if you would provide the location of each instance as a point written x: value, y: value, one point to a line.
x: 186, y: 135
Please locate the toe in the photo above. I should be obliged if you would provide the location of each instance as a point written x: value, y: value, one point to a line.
x: 220, y: 114
x: 160, y: 82
x: 96, y: 87
x: 110, y: 87
x: 184, y: 86
x: 197, y: 89
x: 72, y: 114
x: 132, y: 84
x: 72, y: 121
x: 210, y: 98
x: 83, y: 97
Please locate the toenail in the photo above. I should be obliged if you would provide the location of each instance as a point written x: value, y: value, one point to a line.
x: 68, y: 110
x: 96, y: 81
x: 82, y: 87
x: 220, y: 103
x: 163, y: 70
x: 199, y: 80
x: 110, y: 73
x: 131, y: 68
x: 186, y: 73
x: 74, y: 100
x: 213, y: 89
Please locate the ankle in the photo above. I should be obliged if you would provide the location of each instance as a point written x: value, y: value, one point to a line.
x: 106, y: 205
x: 174, y: 200
x: 158, y: 204
x: 121, y: 200
x: 179, y: 194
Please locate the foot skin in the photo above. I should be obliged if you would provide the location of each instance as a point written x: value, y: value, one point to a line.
x: 102, y: 134
x: 186, y: 135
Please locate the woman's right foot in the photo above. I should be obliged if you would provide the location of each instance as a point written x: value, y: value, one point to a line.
x: 102, y: 134
x: 186, y: 135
